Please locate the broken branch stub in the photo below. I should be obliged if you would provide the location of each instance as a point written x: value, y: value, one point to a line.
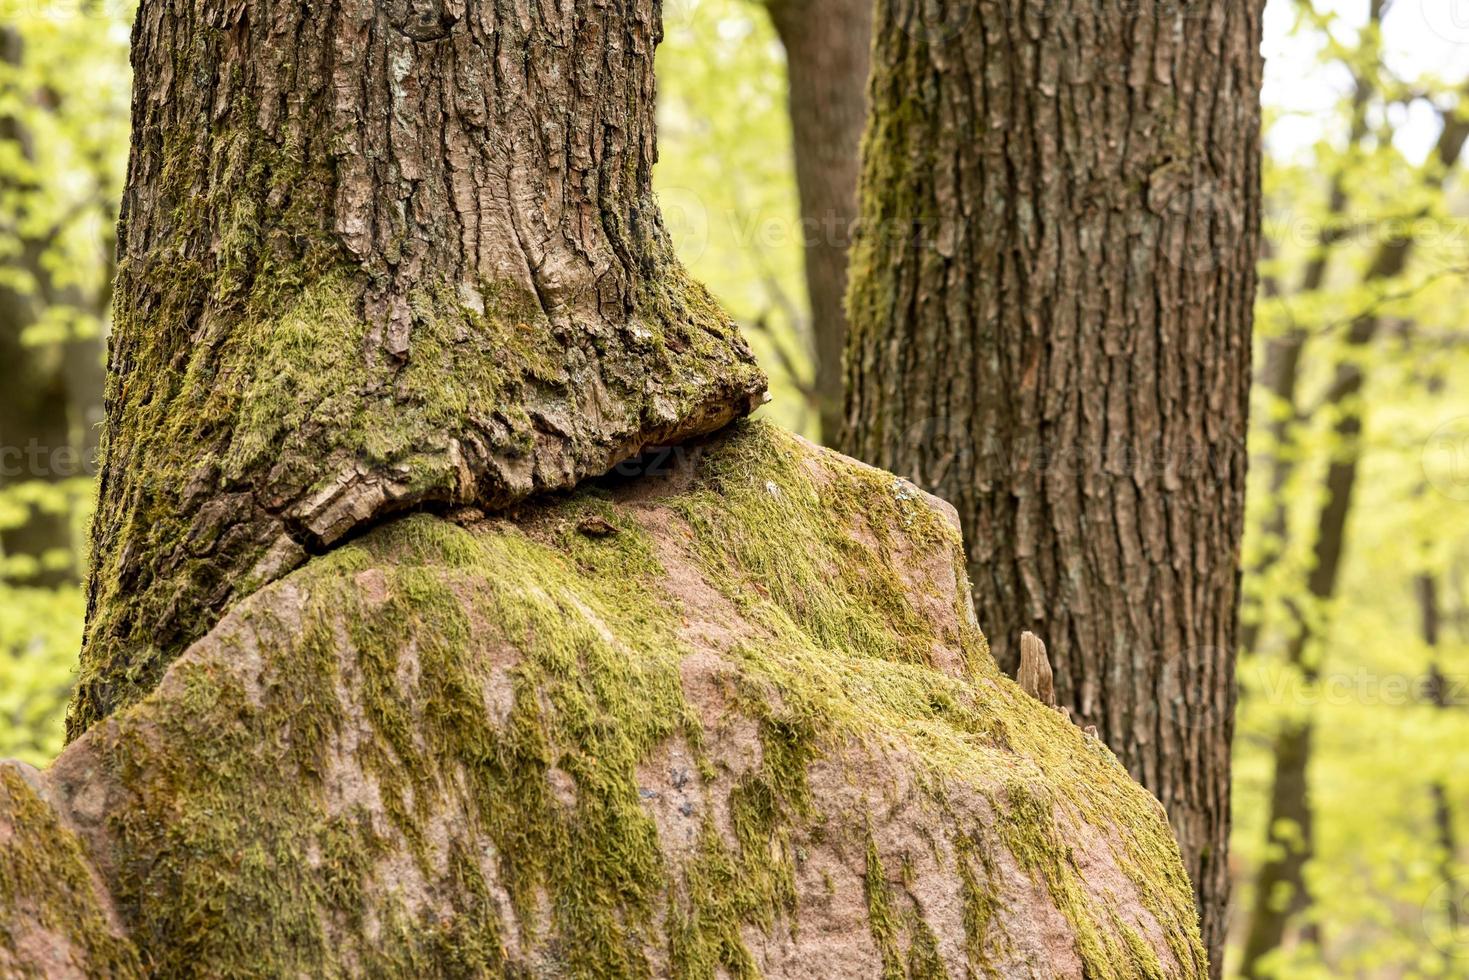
x: 1034, y: 675
x: 369, y: 263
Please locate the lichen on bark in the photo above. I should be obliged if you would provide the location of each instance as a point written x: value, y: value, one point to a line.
x: 371, y: 261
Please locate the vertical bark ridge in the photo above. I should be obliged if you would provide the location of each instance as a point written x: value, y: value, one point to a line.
x: 1049, y: 316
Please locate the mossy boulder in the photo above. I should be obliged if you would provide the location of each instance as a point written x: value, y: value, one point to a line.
x: 730, y: 716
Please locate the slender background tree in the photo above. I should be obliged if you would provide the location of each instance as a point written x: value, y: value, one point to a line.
x: 1365, y: 262
x: 827, y: 45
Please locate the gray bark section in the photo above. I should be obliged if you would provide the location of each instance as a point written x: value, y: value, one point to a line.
x: 1050, y: 316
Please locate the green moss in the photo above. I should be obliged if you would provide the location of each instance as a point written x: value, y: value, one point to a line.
x: 501, y: 686
x: 48, y: 902
x: 866, y: 678
x: 880, y: 916
x: 980, y: 903
x: 924, y: 961
x: 840, y: 593
x: 251, y: 374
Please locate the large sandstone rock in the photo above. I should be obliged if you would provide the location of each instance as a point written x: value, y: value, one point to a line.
x: 730, y: 718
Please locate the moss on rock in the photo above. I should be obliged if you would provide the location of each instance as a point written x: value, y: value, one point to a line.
x: 54, y: 919
x: 733, y: 720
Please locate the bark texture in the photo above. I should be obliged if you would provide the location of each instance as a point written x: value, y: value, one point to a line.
x: 371, y: 256
x: 732, y: 720
x: 828, y: 45
x: 1050, y: 326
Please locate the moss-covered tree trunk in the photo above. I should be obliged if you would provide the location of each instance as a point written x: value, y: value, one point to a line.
x: 373, y: 256
x: 828, y: 45
x: 1050, y: 326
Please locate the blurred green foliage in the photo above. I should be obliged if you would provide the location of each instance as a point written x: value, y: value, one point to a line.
x: 64, y: 84
x: 1363, y: 115
x: 1378, y: 877
x: 727, y: 187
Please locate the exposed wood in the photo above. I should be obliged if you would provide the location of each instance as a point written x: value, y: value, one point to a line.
x: 1034, y: 673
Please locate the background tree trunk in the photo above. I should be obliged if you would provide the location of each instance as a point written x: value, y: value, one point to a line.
x: 827, y: 44
x: 35, y: 439
x: 1281, y: 893
x: 1050, y: 326
x: 372, y: 256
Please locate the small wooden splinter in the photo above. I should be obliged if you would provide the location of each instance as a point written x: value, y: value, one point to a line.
x: 1035, y: 678
x: 1034, y: 675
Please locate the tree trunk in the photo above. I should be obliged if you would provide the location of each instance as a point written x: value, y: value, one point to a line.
x: 1426, y: 585
x: 1280, y: 373
x: 1281, y: 893
x: 1050, y: 318
x: 35, y: 439
x: 34, y: 445
x: 827, y: 44
x: 375, y: 256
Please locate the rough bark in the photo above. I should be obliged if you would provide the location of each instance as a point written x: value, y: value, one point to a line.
x: 374, y: 256
x: 1050, y: 326
x: 734, y: 721
x: 828, y: 45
